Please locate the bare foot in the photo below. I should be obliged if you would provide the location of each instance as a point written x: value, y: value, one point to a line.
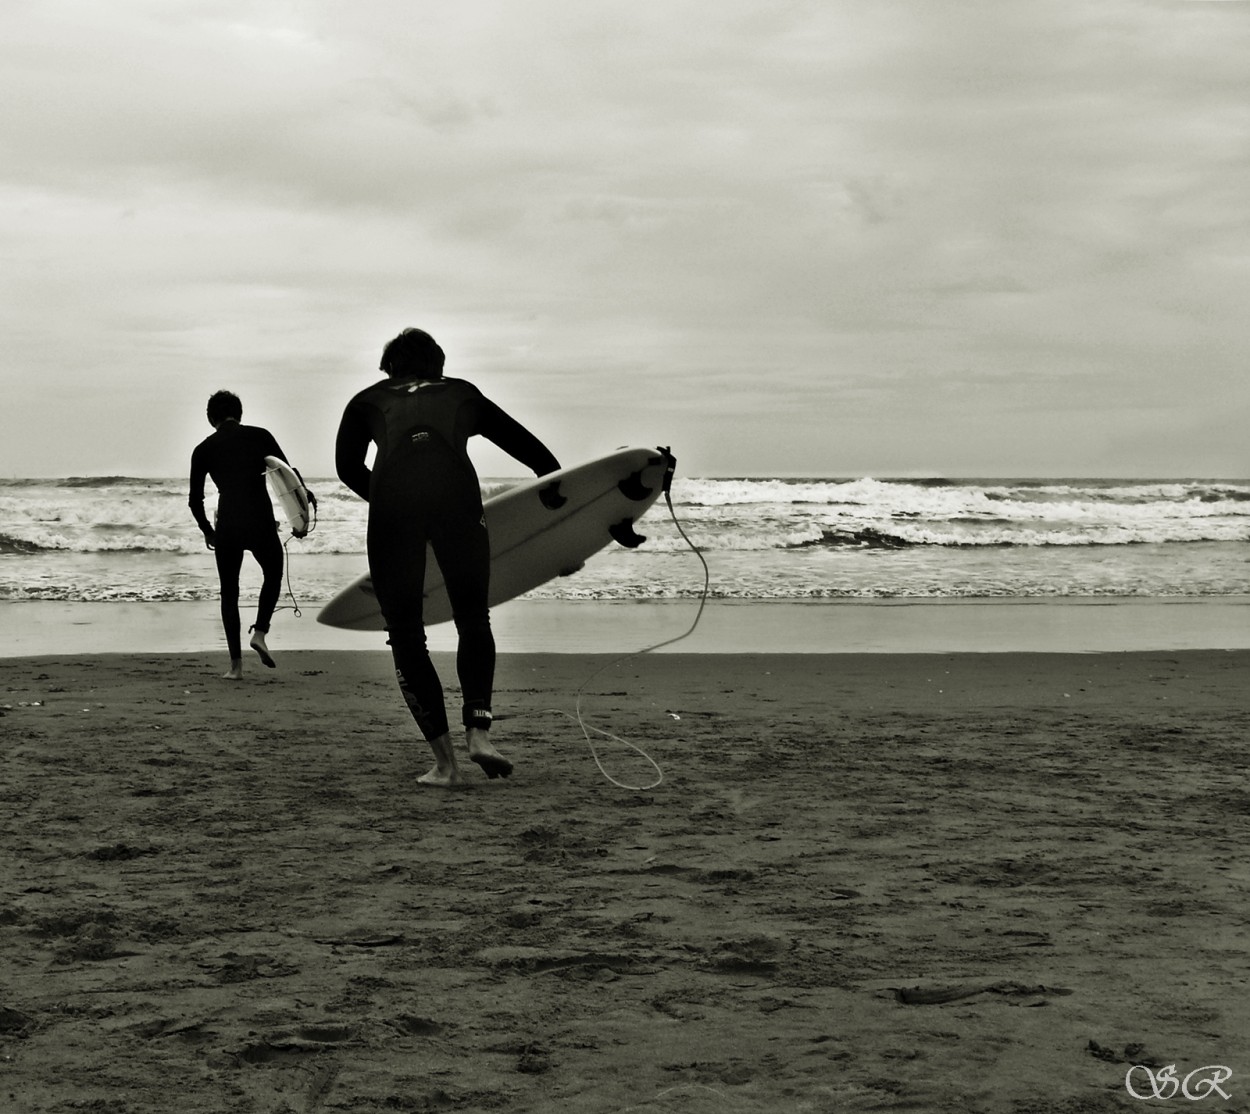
x: 444, y: 772
x: 483, y: 752
x: 258, y: 644
x: 437, y: 775
x: 236, y: 670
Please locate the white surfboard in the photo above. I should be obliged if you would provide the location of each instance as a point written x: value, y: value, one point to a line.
x: 539, y: 530
x: 291, y: 494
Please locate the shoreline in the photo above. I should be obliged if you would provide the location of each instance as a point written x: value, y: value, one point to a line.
x: 1041, y: 625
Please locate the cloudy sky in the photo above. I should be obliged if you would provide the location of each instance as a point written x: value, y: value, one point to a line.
x: 833, y: 237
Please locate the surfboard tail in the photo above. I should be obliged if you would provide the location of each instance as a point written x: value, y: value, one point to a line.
x: 670, y: 466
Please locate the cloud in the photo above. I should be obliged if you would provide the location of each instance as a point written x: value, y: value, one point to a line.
x: 738, y: 211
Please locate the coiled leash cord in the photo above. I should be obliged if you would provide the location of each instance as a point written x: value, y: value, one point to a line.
x: 293, y: 606
x: 586, y: 730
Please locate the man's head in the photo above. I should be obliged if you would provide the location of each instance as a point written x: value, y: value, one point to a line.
x: 413, y: 352
x: 224, y: 405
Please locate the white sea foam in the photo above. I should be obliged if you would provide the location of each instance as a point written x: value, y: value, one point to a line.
x: 120, y: 538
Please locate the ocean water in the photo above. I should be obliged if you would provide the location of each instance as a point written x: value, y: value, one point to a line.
x: 131, y: 539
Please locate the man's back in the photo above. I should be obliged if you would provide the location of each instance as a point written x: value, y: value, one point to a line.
x: 234, y: 456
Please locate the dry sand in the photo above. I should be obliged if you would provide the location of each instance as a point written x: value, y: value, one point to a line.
x: 887, y: 882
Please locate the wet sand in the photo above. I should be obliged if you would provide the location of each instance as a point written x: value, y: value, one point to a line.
x: 1040, y: 625
x: 925, y: 882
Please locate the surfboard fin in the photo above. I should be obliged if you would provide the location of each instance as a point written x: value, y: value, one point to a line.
x: 551, y: 497
x: 632, y: 486
x: 623, y: 532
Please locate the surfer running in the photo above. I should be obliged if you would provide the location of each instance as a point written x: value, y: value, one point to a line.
x: 235, y: 458
x: 423, y: 490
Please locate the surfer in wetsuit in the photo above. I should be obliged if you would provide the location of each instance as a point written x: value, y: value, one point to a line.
x: 234, y: 456
x: 423, y: 490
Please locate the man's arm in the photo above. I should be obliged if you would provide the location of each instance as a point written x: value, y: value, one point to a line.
x: 196, y: 498
x: 517, y: 441
x: 350, y: 448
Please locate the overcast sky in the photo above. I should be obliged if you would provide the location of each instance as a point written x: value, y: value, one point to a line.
x: 837, y: 237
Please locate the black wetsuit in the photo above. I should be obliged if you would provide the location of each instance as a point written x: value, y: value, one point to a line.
x: 235, y: 458
x: 423, y: 490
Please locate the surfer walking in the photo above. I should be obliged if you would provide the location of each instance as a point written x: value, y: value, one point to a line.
x: 423, y: 490
x: 234, y: 456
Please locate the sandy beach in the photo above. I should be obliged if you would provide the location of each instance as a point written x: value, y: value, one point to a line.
x: 926, y: 882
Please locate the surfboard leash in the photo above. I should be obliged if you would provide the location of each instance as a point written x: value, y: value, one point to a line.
x: 294, y: 605
x: 707, y: 578
x: 577, y: 715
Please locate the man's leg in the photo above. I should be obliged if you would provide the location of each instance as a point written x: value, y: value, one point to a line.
x: 397, y: 567
x: 463, y: 552
x: 229, y: 557
x: 269, y: 555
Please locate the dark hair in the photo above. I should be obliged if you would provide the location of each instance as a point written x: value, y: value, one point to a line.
x: 223, y: 405
x: 413, y: 352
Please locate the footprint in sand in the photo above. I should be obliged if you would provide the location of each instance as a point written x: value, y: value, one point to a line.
x: 285, y: 1044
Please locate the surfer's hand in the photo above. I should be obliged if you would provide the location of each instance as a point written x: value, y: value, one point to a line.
x: 300, y: 533
x: 210, y: 538
x: 312, y: 499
